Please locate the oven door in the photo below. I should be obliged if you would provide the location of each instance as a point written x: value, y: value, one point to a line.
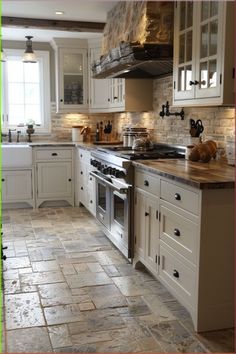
x: 120, y: 217
x: 103, y: 201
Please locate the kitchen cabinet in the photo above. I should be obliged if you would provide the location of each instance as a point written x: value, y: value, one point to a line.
x: 146, y: 232
x: 54, y: 174
x: 117, y: 95
x: 71, y: 74
x: 190, y: 232
x: 85, y: 184
x: 203, y: 53
x: 18, y: 186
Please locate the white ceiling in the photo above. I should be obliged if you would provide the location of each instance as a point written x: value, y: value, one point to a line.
x: 76, y: 10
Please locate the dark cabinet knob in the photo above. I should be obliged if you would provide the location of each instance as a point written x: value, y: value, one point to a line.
x: 176, y: 232
x: 3, y: 179
x: 146, y: 183
x: 108, y: 100
x: 82, y: 188
x: 91, y: 201
x: 90, y: 178
x: 81, y: 155
x: 176, y: 273
x: 146, y: 214
x: 81, y: 172
x: 61, y: 100
x: 177, y: 196
x: 69, y: 179
x: 54, y: 154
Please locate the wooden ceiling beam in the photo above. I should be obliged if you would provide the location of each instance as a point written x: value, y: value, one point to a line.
x: 59, y: 25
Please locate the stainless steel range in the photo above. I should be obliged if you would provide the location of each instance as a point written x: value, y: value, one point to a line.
x: 114, y: 198
x: 114, y: 176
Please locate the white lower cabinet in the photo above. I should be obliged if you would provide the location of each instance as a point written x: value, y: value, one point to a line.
x: 190, y: 232
x: 17, y: 186
x: 54, y: 175
x: 146, y: 228
x: 85, y: 184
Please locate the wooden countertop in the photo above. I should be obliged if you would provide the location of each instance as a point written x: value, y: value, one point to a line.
x: 211, y: 175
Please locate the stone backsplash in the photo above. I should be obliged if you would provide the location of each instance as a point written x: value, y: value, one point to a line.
x: 218, y: 122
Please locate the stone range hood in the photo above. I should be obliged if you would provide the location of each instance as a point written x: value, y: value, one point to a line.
x: 137, y: 41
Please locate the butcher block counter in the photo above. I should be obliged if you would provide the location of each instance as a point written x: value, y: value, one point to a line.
x: 211, y: 175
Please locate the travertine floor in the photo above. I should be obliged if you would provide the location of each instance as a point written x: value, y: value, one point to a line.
x: 67, y: 289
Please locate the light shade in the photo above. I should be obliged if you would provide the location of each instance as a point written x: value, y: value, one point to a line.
x: 29, y: 55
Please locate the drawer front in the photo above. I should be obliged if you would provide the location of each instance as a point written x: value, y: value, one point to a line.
x: 147, y: 182
x: 183, y: 198
x: 179, y: 233
x: 53, y: 154
x: 84, y: 155
x: 178, y: 276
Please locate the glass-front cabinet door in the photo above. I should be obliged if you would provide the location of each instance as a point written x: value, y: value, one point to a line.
x: 184, y: 60
x: 203, y: 52
x: 73, y: 78
x: 208, y: 64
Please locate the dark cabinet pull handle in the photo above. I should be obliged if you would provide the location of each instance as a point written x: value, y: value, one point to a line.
x: 82, y: 188
x: 146, y: 183
x: 54, y: 154
x: 195, y: 82
x: 146, y: 214
x: 177, y: 196
x: 115, y: 97
x: 90, y: 178
x: 3, y: 179
x: 176, y: 273
x: 176, y: 232
x: 69, y: 179
x: 108, y: 99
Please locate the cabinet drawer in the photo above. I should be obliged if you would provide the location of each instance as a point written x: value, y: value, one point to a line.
x: 179, y: 233
x: 53, y: 154
x: 180, y: 197
x: 178, y: 276
x: 147, y: 182
x: 84, y: 155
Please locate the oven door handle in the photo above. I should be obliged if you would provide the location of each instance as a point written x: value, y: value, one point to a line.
x: 123, y: 190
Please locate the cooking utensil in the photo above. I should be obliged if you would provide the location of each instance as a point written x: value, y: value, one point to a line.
x: 199, y: 127
x: 193, y: 128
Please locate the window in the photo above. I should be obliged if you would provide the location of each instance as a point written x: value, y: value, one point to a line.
x: 26, y: 91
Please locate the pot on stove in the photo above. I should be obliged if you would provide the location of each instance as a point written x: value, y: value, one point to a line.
x: 142, y: 143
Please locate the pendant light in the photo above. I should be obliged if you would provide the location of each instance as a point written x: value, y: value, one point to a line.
x: 29, y: 55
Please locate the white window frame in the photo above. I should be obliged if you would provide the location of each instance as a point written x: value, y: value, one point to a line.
x: 43, y: 59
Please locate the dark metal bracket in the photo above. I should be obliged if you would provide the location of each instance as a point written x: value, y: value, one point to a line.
x: 165, y: 112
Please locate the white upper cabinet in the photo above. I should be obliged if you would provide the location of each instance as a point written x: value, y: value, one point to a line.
x: 203, y: 53
x: 71, y: 74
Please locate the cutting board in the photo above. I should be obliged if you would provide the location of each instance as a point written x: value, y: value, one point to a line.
x: 113, y: 142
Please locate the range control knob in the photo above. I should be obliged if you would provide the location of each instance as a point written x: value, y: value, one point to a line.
x: 119, y: 174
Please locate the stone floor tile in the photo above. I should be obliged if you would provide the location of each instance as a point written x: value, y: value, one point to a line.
x: 12, y: 286
x: 28, y: 340
x: 16, y: 263
x: 95, y: 267
x: 106, y: 296
x: 101, y: 320
x: 44, y: 266
x: 131, y: 285
x: 158, y: 308
x: 23, y: 310
x: 63, y: 314
x: 87, y: 279
x: 59, y: 294
x: 86, y: 306
x: 81, y: 267
x: 111, y: 271
x: 90, y: 337
x: 59, y: 336
x: 42, y: 278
